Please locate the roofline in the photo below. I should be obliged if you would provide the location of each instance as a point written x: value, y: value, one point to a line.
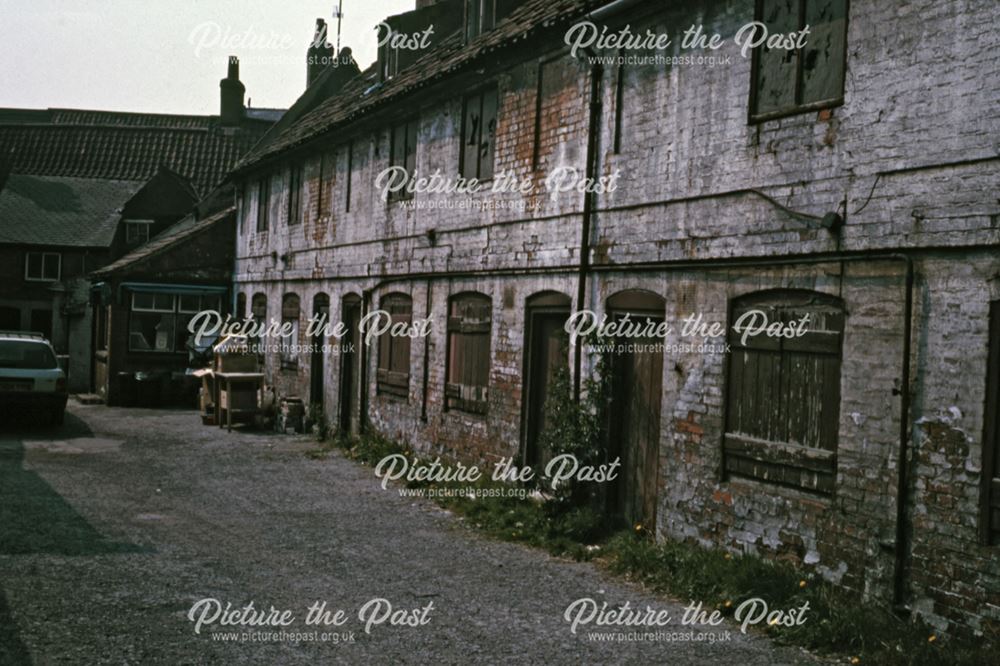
x: 396, y: 96
x: 157, y: 114
x: 207, y: 224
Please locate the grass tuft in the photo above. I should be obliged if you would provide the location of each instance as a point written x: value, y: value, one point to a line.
x: 837, y: 623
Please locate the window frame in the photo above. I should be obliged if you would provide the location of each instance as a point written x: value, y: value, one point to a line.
x: 798, y: 107
x: 484, y: 21
x: 754, y: 456
x: 146, y: 225
x: 453, y: 398
x: 180, y: 316
x: 44, y: 255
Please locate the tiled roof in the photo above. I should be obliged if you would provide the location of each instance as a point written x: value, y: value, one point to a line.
x: 125, y: 146
x: 168, y: 238
x: 52, y: 210
x: 449, y: 56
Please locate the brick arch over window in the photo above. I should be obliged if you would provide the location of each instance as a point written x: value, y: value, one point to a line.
x: 637, y: 300
x: 394, y: 351
x: 548, y: 299
x: 321, y: 309
x: 470, y: 319
x: 783, y: 388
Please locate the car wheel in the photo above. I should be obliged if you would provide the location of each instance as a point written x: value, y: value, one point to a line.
x: 58, y: 416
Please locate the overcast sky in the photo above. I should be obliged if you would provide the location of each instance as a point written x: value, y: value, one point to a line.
x: 167, y: 56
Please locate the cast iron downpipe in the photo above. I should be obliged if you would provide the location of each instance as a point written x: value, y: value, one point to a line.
x: 903, y: 484
x: 366, y: 296
x: 596, y: 75
x: 427, y: 359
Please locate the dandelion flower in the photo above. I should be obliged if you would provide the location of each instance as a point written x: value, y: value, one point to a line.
x: 638, y: 527
x: 802, y: 583
x: 931, y: 638
x: 855, y: 660
x: 728, y: 603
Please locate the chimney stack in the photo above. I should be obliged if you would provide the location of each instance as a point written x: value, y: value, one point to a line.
x: 320, y: 54
x: 231, y: 110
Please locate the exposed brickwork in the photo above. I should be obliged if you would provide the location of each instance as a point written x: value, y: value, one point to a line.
x: 909, y: 160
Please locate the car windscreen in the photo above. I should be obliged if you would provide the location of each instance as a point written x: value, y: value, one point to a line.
x: 26, y: 355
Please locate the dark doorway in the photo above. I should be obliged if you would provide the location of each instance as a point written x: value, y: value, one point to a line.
x: 321, y: 317
x: 545, y: 354
x: 10, y: 319
x: 636, y: 367
x: 351, y: 317
x: 41, y: 322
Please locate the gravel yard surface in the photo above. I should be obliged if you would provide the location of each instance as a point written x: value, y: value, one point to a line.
x: 114, y: 525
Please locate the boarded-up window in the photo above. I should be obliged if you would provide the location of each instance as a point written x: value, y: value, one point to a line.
x: 263, y: 203
x: 468, y: 374
x: 403, y: 153
x: 394, y: 350
x: 479, y: 126
x: 290, y: 321
x: 295, y: 194
x: 783, y: 393
x: 791, y: 80
x: 990, y: 512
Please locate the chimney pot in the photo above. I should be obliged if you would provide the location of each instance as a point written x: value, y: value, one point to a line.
x: 320, y: 54
x: 231, y: 91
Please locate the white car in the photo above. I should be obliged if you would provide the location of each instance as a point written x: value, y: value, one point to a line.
x: 30, y: 376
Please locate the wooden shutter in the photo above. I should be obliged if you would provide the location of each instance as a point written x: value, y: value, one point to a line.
x: 775, y: 70
x: 472, y: 115
x: 487, y: 140
x: 783, y: 394
x: 393, y: 377
x: 823, y: 56
x: 469, y: 325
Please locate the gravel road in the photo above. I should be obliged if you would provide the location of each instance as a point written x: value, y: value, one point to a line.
x: 115, y: 525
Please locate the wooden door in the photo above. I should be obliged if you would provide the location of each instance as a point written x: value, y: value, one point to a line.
x: 636, y: 367
x: 321, y: 310
x: 351, y: 312
x: 546, y: 353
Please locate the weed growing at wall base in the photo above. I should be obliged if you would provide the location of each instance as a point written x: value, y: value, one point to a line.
x: 838, y: 623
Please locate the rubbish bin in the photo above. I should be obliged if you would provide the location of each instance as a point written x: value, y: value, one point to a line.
x: 148, y: 389
x: 125, y: 389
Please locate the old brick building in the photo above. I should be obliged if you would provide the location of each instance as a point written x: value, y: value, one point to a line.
x: 852, y: 179
x: 81, y: 188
